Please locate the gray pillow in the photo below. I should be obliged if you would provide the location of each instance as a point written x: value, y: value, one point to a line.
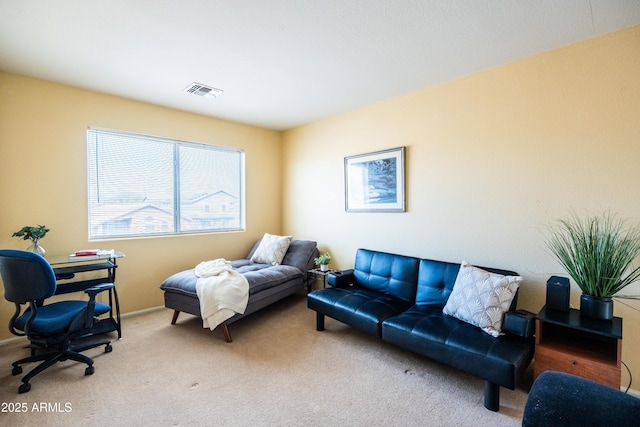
x: 301, y: 254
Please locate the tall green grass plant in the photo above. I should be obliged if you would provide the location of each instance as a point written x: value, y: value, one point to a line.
x: 597, y: 252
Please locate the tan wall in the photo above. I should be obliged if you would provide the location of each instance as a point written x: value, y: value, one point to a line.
x: 43, y: 180
x: 491, y: 160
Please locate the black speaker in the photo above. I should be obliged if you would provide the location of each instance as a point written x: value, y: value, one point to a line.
x: 558, y: 293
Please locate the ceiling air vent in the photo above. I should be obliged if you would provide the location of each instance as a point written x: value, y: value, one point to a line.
x: 202, y: 90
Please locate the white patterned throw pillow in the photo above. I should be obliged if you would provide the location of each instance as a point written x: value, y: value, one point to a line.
x: 272, y: 249
x: 481, y: 298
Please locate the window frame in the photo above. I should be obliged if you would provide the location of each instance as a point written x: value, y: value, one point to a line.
x: 178, y: 211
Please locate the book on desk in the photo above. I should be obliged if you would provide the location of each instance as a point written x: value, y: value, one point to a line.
x: 91, y: 254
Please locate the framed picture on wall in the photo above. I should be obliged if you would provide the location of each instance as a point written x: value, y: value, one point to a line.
x: 374, y: 182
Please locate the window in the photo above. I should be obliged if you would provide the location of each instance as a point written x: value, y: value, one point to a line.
x: 147, y: 186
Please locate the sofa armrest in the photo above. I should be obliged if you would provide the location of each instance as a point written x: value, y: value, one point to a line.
x: 520, y: 323
x: 340, y: 279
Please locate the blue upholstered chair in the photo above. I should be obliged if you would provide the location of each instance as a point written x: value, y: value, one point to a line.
x: 559, y: 399
x: 57, y: 331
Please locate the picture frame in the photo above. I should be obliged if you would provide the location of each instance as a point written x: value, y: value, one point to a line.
x: 375, y: 182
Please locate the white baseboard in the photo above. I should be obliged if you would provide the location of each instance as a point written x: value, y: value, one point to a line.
x: 631, y: 392
x: 12, y: 340
x: 143, y: 311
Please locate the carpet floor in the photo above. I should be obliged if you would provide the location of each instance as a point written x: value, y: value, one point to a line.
x: 278, y: 371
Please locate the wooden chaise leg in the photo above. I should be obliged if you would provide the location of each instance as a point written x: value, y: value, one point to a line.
x: 176, y: 313
x: 225, y: 328
x: 225, y: 331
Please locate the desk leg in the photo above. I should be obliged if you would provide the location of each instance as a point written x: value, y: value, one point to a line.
x: 117, y: 301
x: 112, y: 279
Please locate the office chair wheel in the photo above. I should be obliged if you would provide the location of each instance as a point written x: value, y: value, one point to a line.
x: 108, y: 348
x: 17, y: 370
x: 25, y: 387
x: 90, y: 370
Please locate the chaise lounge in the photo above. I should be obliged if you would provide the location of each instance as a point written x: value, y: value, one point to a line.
x: 268, y: 281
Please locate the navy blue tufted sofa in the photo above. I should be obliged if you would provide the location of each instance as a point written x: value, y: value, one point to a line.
x: 400, y: 300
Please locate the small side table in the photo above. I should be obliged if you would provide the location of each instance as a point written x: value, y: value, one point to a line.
x: 569, y: 342
x: 315, y: 273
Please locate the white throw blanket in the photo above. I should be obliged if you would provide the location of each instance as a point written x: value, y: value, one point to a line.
x: 222, y: 292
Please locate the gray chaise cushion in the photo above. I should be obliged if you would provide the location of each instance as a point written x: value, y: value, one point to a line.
x: 258, y: 276
x: 297, y: 261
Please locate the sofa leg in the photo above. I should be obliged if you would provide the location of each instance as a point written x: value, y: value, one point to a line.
x: 319, y: 321
x: 491, y: 396
x: 176, y: 313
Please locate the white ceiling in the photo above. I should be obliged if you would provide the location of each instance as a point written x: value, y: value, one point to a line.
x: 283, y: 63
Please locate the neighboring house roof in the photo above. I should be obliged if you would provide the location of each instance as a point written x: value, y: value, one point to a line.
x: 204, y: 196
x: 114, y: 212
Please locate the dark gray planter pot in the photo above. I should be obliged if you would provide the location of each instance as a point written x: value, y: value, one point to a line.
x: 598, y: 308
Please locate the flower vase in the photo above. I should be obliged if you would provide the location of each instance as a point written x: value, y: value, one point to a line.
x: 36, y: 248
x: 324, y: 267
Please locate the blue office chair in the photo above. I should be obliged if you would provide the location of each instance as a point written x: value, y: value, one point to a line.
x: 56, y: 331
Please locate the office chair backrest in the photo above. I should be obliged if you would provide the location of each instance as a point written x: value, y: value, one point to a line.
x: 27, y: 276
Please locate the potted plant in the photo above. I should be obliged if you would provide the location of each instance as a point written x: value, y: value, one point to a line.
x: 323, y: 261
x: 34, y: 234
x: 598, y: 253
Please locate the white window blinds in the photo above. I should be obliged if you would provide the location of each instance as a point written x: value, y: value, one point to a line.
x: 147, y: 186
